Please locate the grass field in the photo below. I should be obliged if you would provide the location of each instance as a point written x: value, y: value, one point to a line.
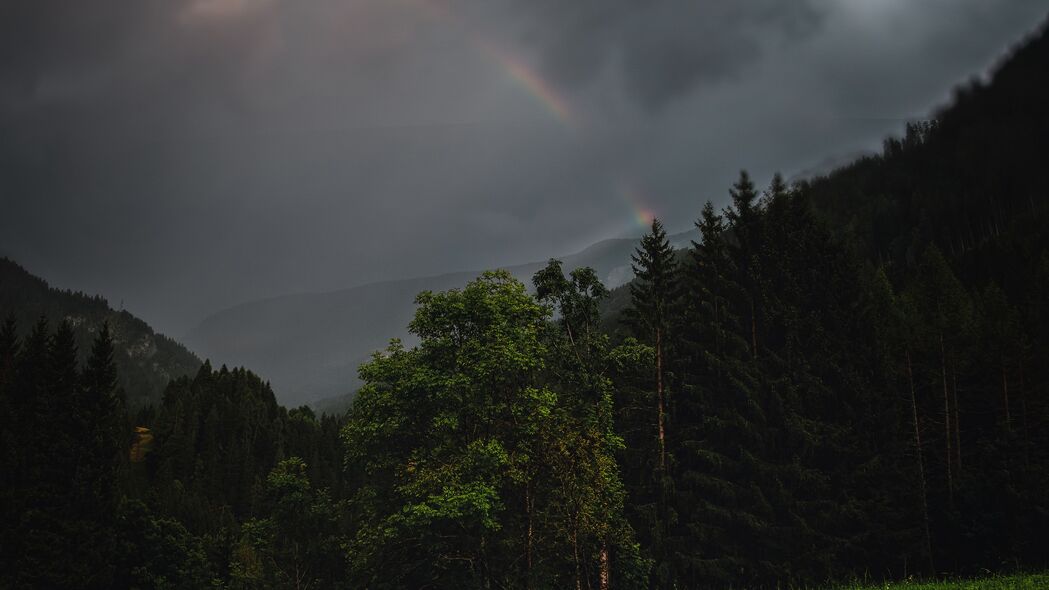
x: 1020, y: 581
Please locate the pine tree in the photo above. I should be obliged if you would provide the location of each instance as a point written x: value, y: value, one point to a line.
x: 892, y: 339
x: 10, y: 444
x: 57, y: 416
x: 744, y: 218
x: 50, y: 555
x: 944, y: 315
x: 653, y: 296
x: 9, y: 346
x: 103, y: 437
x: 102, y: 454
x: 28, y: 387
x: 721, y: 469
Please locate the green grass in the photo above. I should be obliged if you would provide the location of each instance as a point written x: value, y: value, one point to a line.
x: 1019, y: 581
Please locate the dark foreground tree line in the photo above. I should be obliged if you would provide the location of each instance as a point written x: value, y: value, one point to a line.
x: 819, y: 416
x: 211, y: 489
x: 777, y: 410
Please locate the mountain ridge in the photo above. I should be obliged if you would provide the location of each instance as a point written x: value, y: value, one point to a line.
x: 680, y: 237
x: 337, y: 330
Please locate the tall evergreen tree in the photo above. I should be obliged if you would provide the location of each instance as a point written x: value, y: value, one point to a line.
x: 50, y: 555
x: 104, y: 434
x: 722, y: 470
x: 653, y: 295
x: 944, y: 316
x: 893, y: 347
x: 744, y: 218
x: 9, y: 346
x: 10, y: 445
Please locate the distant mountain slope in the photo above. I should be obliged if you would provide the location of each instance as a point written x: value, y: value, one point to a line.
x: 310, y: 345
x: 146, y: 361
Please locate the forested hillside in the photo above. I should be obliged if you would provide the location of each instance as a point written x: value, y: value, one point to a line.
x: 836, y: 380
x: 877, y: 336
x: 146, y: 360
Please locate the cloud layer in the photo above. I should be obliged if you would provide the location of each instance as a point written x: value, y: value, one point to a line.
x: 187, y: 155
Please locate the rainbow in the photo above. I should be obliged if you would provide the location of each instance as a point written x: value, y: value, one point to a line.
x: 528, y: 78
x: 516, y: 68
x: 643, y: 216
x: 531, y: 81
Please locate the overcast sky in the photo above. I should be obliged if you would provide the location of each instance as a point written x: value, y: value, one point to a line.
x: 188, y: 155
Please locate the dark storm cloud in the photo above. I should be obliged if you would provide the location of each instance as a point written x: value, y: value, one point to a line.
x: 188, y: 155
x: 663, y: 49
x: 120, y: 52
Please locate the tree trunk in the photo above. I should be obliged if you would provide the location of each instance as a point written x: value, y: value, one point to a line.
x: 947, y: 422
x: 1023, y: 418
x: 1005, y: 397
x: 486, y: 574
x: 660, y: 401
x: 606, y: 569
x: 528, y: 537
x: 717, y: 324
x: 753, y: 331
x: 575, y: 555
x: 957, y: 420
x: 921, y: 465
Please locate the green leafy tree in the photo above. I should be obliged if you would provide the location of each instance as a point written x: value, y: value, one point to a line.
x: 157, y: 552
x: 298, y: 543
x: 484, y: 456
x: 442, y: 438
x: 578, y: 453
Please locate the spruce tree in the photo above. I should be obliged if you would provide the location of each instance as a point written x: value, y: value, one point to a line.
x: 892, y: 347
x: 29, y: 387
x: 653, y: 295
x: 9, y: 346
x: 944, y: 322
x: 101, y: 404
x: 744, y: 219
x: 10, y: 445
x: 103, y: 437
x: 721, y: 470
x: 51, y: 555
